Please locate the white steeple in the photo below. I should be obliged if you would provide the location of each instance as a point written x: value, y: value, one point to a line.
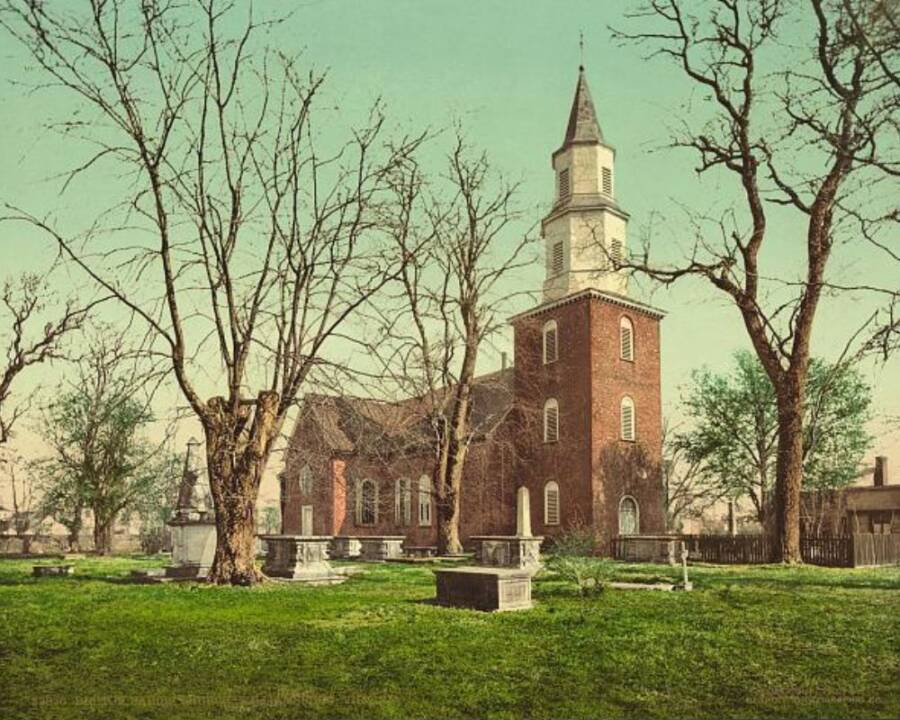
x: 585, y: 228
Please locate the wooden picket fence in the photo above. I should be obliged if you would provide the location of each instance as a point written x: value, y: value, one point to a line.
x: 729, y: 549
x: 859, y: 550
x: 827, y: 550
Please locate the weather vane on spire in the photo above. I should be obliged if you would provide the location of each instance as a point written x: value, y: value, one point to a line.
x: 581, y: 49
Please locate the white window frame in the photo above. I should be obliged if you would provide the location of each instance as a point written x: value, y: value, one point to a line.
x: 425, y: 505
x: 402, y: 502
x: 637, y: 515
x: 551, y: 488
x: 626, y: 339
x: 305, y: 480
x: 627, y: 431
x: 360, y: 491
x: 550, y: 331
x: 551, y: 409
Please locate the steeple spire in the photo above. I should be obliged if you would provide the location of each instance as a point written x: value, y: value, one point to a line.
x: 583, y: 126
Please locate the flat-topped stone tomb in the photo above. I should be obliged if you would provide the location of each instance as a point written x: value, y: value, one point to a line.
x: 380, y: 548
x: 302, y: 558
x: 483, y: 588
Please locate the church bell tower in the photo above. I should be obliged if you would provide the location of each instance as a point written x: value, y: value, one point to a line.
x: 584, y: 232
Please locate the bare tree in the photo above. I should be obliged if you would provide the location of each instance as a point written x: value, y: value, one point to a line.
x: 26, y: 507
x: 260, y: 244
x: 816, y: 137
x: 450, y: 304
x: 686, y: 492
x: 25, y: 305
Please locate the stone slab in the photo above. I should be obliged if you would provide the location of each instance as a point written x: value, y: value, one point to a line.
x: 511, y: 551
x: 300, y: 558
x: 52, y: 570
x: 482, y: 588
x: 665, y: 587
x: 380, y: 548
x: 344, y: 547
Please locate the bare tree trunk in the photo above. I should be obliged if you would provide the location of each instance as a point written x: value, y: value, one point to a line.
x: 448, y: 506
x: 237, y: 450
x: 72, y: 540
x: 103, y: 535
x: 789, y: 472
x: 235, y: 558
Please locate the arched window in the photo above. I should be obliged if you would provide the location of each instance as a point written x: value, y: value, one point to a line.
x: 305, y: 480
x: 626, y: 339
x: 367, y: 503
x: 551, y: 503
x: 425, y: 501
x: 402, y: 502
x: 629, y: 516
x: 628, y: 419
x: 551, y: 421
x: 551, y: 349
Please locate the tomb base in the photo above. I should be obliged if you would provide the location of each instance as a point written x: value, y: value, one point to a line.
x: 511, y: 551
x: 344, y: 547
x: 300, y: 558
x: 481, y: 588
x: 380, y: 548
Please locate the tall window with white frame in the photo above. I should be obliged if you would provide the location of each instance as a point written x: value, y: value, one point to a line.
x: 402, y: 502
x: 551, y: 503
x: 425, y: 501
x: 628, y: 419
x: 367, y: 503
x: 551, y: 339
x: 626, y: 339
x: 551, y: 421
x: 305, y: 480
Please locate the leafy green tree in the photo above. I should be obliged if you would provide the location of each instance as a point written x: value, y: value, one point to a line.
x: 102, y: 459
x: 734, y: 435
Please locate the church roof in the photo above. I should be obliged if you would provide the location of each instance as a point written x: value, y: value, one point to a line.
x: 348, y: 424
x: 583, y: 126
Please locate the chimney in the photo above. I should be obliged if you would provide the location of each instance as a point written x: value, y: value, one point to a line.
x: 503, y: 361
x: 881, y: 471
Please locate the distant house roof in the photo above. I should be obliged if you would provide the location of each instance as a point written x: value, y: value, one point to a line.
x: 349, y: 424
x: 884, y: 497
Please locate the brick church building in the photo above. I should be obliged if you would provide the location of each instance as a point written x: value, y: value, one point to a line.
x: 577, y: 419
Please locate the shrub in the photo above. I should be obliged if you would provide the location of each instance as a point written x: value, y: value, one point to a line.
x: 586, y: 574
x: 576, y: 541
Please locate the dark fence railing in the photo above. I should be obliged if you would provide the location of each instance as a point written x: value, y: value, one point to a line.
x: 729, y: 549
x: 859, y: 550
x: 828, y: 550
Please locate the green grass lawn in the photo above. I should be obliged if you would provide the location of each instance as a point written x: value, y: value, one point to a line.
x: 748, y: 642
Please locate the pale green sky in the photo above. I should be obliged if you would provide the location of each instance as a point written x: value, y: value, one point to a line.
x: 507, y: 70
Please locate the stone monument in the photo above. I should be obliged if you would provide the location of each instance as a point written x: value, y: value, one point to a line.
x: 193, y: 525
x: 521, y: 551
x: 303, y: 558
x: 380, y: 548
x: 502, y: 581
x: 345, y: 547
